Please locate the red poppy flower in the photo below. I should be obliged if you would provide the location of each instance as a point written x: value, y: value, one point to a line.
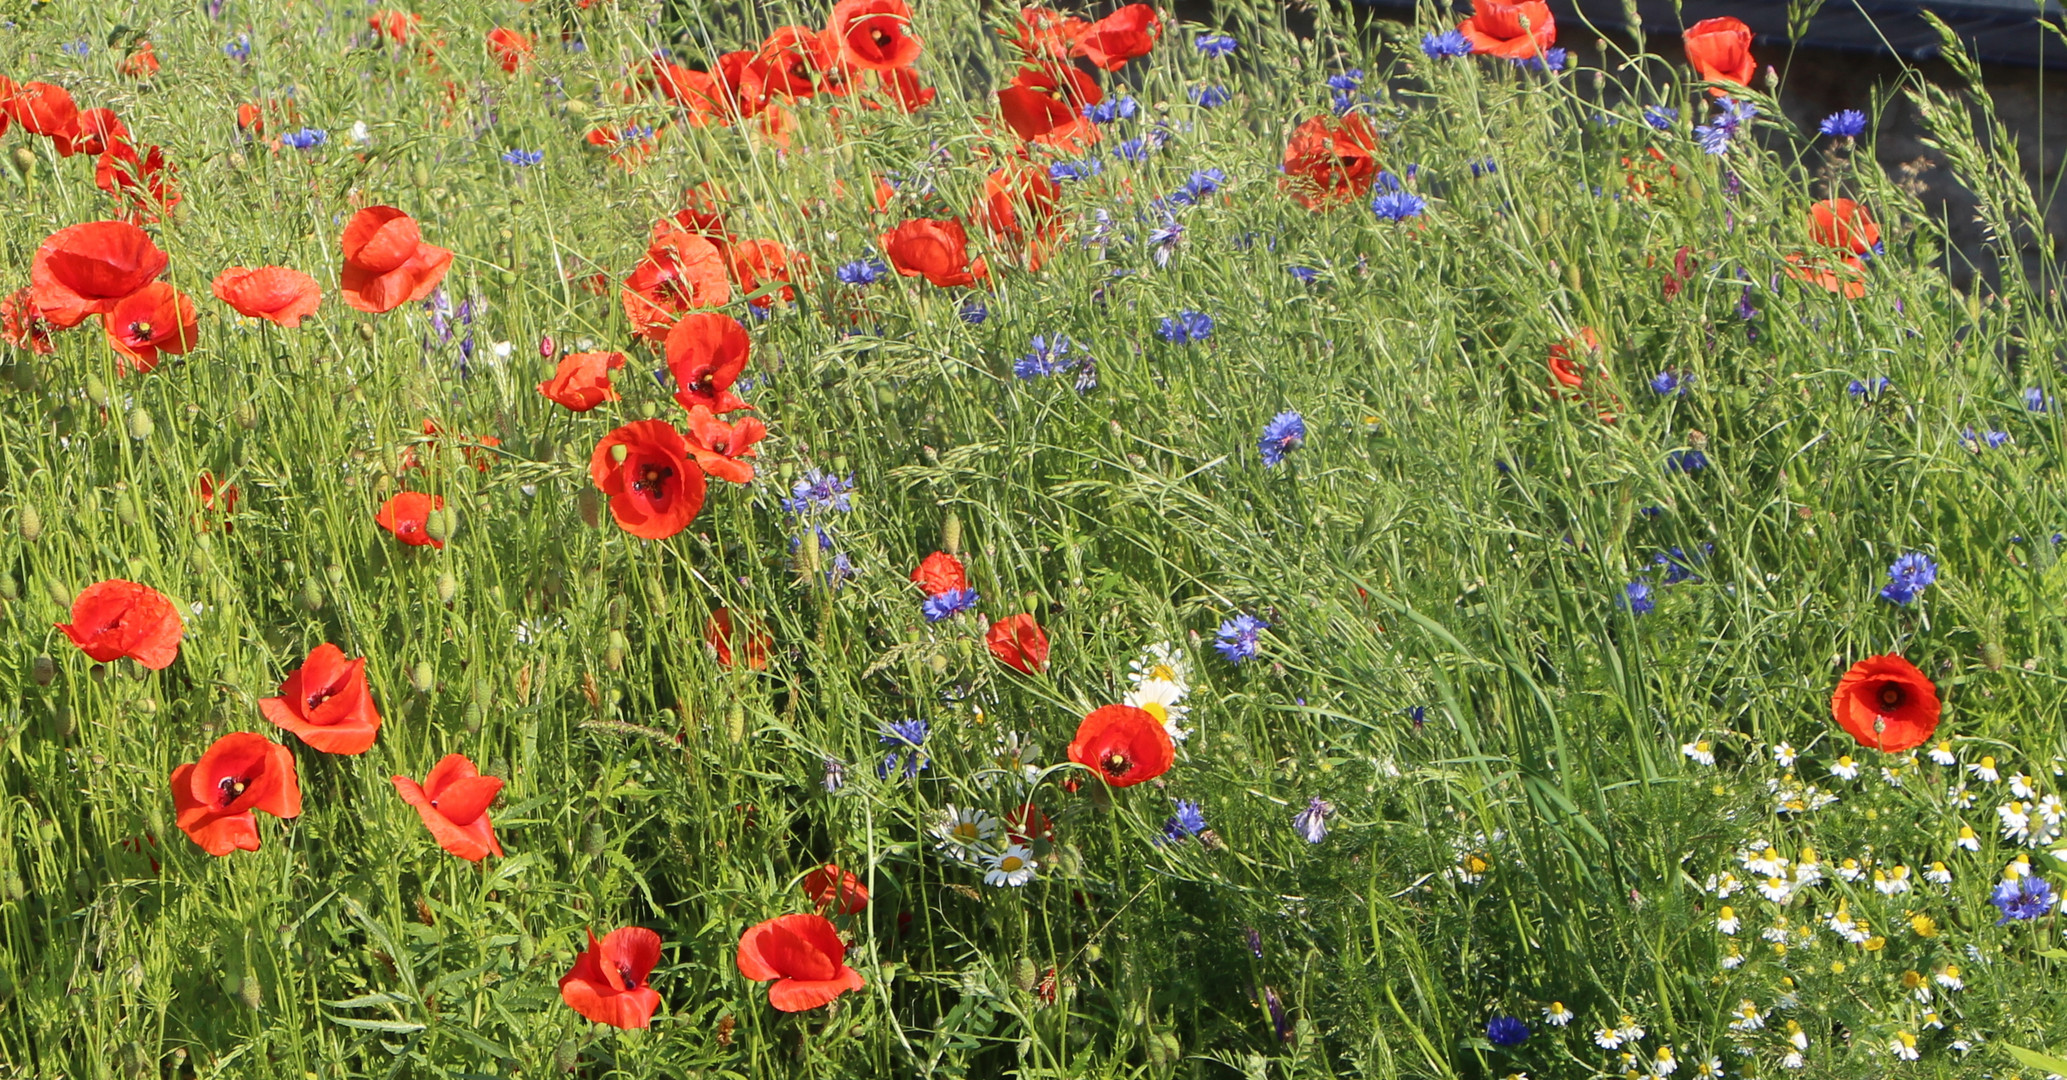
x: 829, y: 886
x: 1046, y: 105
x: 744, y: 82
x: 1121, y: 36
x: 655, y: 490
x: 681, y: 272
x: 386, y: 262
x: 151, y: 321
x: 703, y: 209
x: 1019, y: 643
x: 608, y: 981
x: 142, y: 63
x: 1842, y: 223
x: 1886, y: 704
x: 697, y: 92
x: 705, y: 354
x: 755, y: 265
x: 721, y: 634
x: 327, y: 703
x: 805, y: 957
x: 1025, y: 824
x: 1019, y: 206
x: 1846, y: 277
x: 1566, y: 368
x: 216, y: 498
x: 474, y: 448
x: 791, y: 59
x: 1123, y: 744
x: 719, y: 446
x: 22, y: 324
x: 1515, y: 31
x: 628, y: 146
x: 273, y: 293
x: 117, y: 618
x: 1328, y: 161
x: 934, y: 248
x: 904, y: 90
x: 1041, y: 34
x: 874, y: 35
x: 250, y: 119
x: 144, y: 182
x: 87, y: 269
x: 8, y: 90
x: 405, y: 515
x: 1720, y: 50
x: 511, y: 49
x: 940, y: 573
x: 453, y: 803
x: 397, y: 27
x: 96, y: 132
x: 44, y: 109
x: 582, y: 381
x: 242, y: 772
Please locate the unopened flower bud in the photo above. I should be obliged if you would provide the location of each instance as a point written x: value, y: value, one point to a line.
x: 24, y: 161
x: 422, y: 677
x: 140, y: 425
x: 43, y: 669
x: 448, y: 587
x: 545, y: 347
x: 30, y: 522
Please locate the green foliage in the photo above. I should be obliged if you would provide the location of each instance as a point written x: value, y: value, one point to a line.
x: 1521, y: 815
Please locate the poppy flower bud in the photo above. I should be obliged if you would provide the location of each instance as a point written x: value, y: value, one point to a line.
x: 613, y: 650
x: 423, y: 677
x: 619, y: 451
x: 735, y: 723
x: 365, y: 331
x: 590, y: 504
x: 10, y: 590
x: 595, y: 839
x: 59, y: 593
x: 312, y: 595
x: 251, y: 991
x: 546, y: 348
x: 448, y: 587
x: 440, y: 524
x: 568, y: 1056
x: 43, y: 669
x: 1992, y: 655
x: 97, y: 391
x: 247, y: 416
x: 30, y: 522
x: 421, y: 174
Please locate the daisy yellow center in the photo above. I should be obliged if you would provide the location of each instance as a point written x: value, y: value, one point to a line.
x: 1156, y: 709
x: 965, y: 830
x: 1164, y: 672
x: 1011, y: 864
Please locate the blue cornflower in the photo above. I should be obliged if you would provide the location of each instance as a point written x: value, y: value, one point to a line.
x: 1397, y: 206
x: 1341, y: 102
x: 77, y: 49
x: 1744, y: 309
x: 1305, y: 274
x: 1201, y: 183
x: 1869, y: 388
x: 1668, y: 383
x: 1164, y: 240
x: 1187, y: 822
x: 1062, y: 171
x: 1215, y: 45
x: 1237, y: 638
x: 1418, y: 714
x: 1285, y: 433
x: 863, y: 271
x: 817, y: 492
x: 908, y: 737
x: 1675, y: 564
x: 1447, y: 45
x: 2022, y: 899
x: 1660, y: 117
x: 949, y: 604
x: 1347, y: 81
x: 238, y: 48
x: 2037, y: 400
x: 1686, y: 461
x: 1553, y: 59
x: 1730, y: 117
x: 838, y: 570
x: 1131, y: 150
x: 1387, y: 181
x: 1186, y: 327
x: 1111, y: 109
x: 835, y: 775
x: 1850, y: 123
x: 1910, y: 575
x: 1636, y: 596
x: 1994, y: 439
x: 1311, y: 823
x: 306, y: 139
x: 1506, y: 1031
x: 1210, y: 97
x: 1049, y: 357
x: 973, y: 311
x: 1484, y: 168
x: 523, y: 159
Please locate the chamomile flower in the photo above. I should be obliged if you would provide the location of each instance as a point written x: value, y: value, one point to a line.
x: 1630, y: 1030
x: 1556, y: 1015
x: 1968, y: 839
x: 1016, y: 756
x: 1712, y: 1069
x: 1948, y: 977
x: 1903, y: 1046
x: 2020, y: 786
x: 1938, y: 874
x: 1663, y: 1063
x: 1985, y: 771
x: 964, y: 827
x: 1700, y: 753
x: 1845, y: 769
x: 1608, y: 1039
x: 1726, y: 920
x: 1163, y: 700
x: 1768, y: 863
x: 1013, y: 867
x: 1777, y: 889
x: 1959, y: 798
x: 1163, y: 662
x: 1733, y: 959
x: 1853, y: 869
x: 1749, y: 1017
x: 1724, y: 885
x: 1784, y: 754
x: 2016, y: 821
x: 1807, y: 871
x: 1893, y: 881
x: 1941, y: 754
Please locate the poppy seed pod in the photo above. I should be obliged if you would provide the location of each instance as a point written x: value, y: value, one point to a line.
x: 30, y: 522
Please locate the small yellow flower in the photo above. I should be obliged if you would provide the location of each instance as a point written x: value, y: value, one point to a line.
x: 1876, y: 943
x: 1923, y: 926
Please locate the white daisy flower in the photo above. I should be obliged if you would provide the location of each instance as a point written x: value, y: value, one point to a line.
x: 1015, y: 867
x: 1959, y: 798
x: 1845, y: 769
x: 1903, y: 1046
x: 1892, y: 882
x: 2020, y: 786
x: 1769, y: 864
x: 2016, y: 821
x: 1701, y: 752
x: 1852, y: 869
x: 1663, y: 1063
x: 1794, y: 1060
x: 1163, y: 700
x: 361, y: 135
x: 1748, y: 1016
x: 1712, y: 1069
x: 1784, y: 754
x: 1777, y: 889
x: 964, y: 827
x: 1556, y: 1015
x: 2018, y: 867
x: 1984, y: 770
x: 1938, y: 874
x: 1948, y: 977
x: 1726, y: 920
x: 1968, y: 840
x: 1608, y: 1039
x: 1942, y: 754
x: 1162, y: 662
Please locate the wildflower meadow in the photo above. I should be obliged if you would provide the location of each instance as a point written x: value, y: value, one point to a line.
x: 876, y: 539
